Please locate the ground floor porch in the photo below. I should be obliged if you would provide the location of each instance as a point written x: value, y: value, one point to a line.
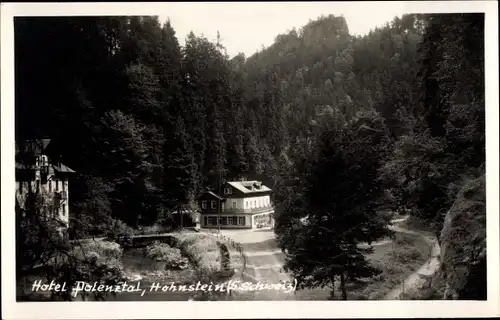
x: 238, y: 221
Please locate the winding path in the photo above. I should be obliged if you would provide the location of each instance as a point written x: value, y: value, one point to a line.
x: 417, y: 279
x: 265, y: 264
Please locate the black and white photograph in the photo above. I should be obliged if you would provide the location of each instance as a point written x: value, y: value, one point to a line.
x: 250, y: 152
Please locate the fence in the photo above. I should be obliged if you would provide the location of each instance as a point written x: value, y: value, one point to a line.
x: 236, y: 245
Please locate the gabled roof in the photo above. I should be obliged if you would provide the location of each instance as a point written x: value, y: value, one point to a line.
x: 212, y: 194
x: 52, y: 167
x: 36, y: 147
x: 249, y: 186
x: 63, y: 168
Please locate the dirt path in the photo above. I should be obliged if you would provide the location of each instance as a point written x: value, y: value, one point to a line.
x: 418, y: 278
x: 264, y: 264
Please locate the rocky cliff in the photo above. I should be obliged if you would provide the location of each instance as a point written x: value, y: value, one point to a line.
x: 463, y: 244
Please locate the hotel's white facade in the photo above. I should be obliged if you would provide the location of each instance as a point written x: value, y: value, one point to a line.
x: 244, y: 205
x: 37, y: 174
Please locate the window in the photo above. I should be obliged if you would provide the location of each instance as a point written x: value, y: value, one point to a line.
x: 246, y: 206
x: 222, y: 206
x: 223, y: 221
x: 227, y: 190
x: 213, y: 204
x: 234, y: 204
x: 57, y: 185
x: 205, y: 221
x: 212, y: 221
x: 204, y: 204
x: 232, y: 221
x: 63, y: 185
x: 241, y: 221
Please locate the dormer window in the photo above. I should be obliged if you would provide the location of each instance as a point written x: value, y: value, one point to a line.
x: 227, y: 190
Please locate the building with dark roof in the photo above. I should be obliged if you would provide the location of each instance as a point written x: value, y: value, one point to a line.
x: 243, y: 205
x: 36, y: 172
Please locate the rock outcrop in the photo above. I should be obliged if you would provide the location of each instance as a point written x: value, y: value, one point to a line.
x: 463, y: 244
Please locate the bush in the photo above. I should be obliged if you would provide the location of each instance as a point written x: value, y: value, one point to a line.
x: 203, y: 251
x: 121, y: 233
x: 99, y: 261
x: 105, y: 255
x: 106, y: 249
x: 393, y: 269
x: 408, y: 255
x: 171, y: 256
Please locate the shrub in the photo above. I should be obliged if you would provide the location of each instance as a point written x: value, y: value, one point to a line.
x: 106, y: 249
x: 171, y: 256
x: 90, y: 261
x: 408, y: 255
x: 121, y: 233
x: 393, y: 269
x: 203, y: 251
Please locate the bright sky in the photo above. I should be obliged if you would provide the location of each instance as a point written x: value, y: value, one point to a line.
x: 246, y: 27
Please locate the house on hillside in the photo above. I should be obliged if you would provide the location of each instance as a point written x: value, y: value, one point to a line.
x: 37, y: 173
x: 243, y: 205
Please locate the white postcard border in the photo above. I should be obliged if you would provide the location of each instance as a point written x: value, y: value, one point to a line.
x: 247, y: 309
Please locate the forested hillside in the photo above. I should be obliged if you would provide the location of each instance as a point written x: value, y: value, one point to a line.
x: 339, y: 126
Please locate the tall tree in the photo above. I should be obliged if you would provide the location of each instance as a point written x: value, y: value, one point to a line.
x: 338, y: 207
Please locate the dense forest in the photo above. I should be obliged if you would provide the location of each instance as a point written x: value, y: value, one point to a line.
x: 340, y: 126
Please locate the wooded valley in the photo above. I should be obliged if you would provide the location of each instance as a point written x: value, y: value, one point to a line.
x: 343, y: 128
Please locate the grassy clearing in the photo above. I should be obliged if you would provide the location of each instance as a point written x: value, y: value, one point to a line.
x: 416, y: 224
x: 202, y: 250
x: 396, y: 261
